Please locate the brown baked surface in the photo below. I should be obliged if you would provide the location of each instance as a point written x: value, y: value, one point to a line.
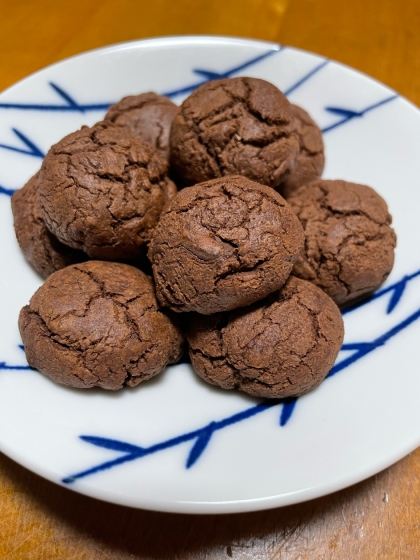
x: 40, y: 247
x: 310, y: 161
x: 279, y: 347
x: 98, y: 324
x: 349, y: 243
x: 102, y: 191
x: 223, y: 244
x: 234, y: 126
x: 147, y: 116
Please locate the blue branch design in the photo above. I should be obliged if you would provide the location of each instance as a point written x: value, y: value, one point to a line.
x: 306, y: 77
x: 396, y: 290
x: 4, y: 365
x: 7, y: 192
x: 202, y: 436
x: 287, y: 410
x: 31, y: 148
x: 349, y: 114
x: 364, y: 348
x: 71, y: 105
x: 211, y: 75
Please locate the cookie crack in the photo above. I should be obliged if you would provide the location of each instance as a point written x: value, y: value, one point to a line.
x: 215, y: 160
x: 214, y: 113
x: 111, y: 295
x: 241, y: 268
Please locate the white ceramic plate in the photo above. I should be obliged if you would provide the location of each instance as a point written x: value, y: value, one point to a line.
x: 154, y: 446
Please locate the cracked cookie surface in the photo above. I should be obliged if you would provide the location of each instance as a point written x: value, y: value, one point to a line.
x: 98, y: 324
x: 234, y: 126
x: 223, y: 244
x: 282, y: 346
x: 310, y: 161
x: 147, y: 116
x: 102, y: 191
x: 349, y: 243
x: 40, y: 247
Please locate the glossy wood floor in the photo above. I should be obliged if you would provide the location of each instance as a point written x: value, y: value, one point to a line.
x: 377, y: 519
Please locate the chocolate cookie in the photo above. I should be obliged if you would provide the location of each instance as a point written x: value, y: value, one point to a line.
x: 310, y: 160
x: 40, y: 247
x: 349, y: 247
x: 98, y: 324
x: 234, y: 126
x: 147, y: 116
x: 102, y: 191
x: 280, y: 347
x: 223, y: 244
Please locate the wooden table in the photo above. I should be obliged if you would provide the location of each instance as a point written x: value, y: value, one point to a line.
x: 376, y: 519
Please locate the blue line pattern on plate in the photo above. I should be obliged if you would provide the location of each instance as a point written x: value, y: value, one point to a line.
x: 306, y: 77
x: 287, y: 410
x: 396, y: 291
x: 364, y: 348
x: 31, y: 148
x: 211, y: 75
x: 4, y: 365
x: 202, y: 436
x: 71, y: 105
x: 349, y: 114
x: 7, y: 192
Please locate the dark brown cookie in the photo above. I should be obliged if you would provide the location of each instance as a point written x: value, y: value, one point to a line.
x: 280, y: 347
x: 40, y: 247
x: 236, y: 126
x: 310, y: 160
x: 102, y: 191
x: 147, y: 116
x: 98, y: 324
x: 349, y: 247
x: 223, y: 244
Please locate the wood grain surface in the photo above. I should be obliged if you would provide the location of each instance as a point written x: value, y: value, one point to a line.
x: 376, y: 519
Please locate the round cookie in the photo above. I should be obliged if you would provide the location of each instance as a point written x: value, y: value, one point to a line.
x: 223, y: 244
x: 102, y: 191
x: 98, y: 324
x: 310, y: 160
x: 40, y: 247
x: 349, y: 243
x: 147, y: 116
x: 234, y: 126
x: 279, y: 347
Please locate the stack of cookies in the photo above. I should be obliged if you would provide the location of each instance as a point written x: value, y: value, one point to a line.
x: 221, y: 201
